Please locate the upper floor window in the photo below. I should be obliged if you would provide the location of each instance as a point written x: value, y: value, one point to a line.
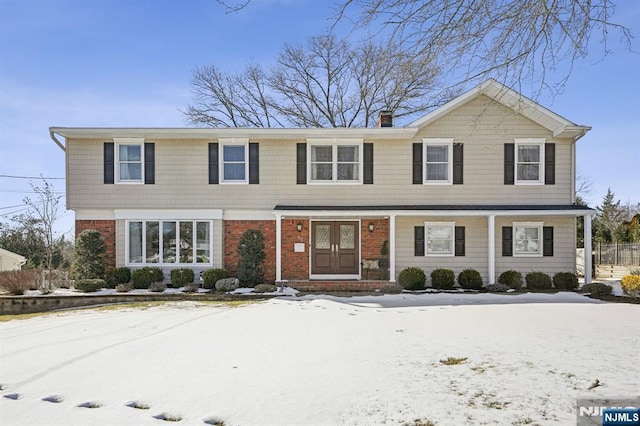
x: 527, y: 238
x: 529, y: 161
x: 335, y: 162
x: 438, y: 154
x: 234, y: 163
x: 130, y: 160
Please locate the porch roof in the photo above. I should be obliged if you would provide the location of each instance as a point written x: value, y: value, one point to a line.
x: 440, y: 209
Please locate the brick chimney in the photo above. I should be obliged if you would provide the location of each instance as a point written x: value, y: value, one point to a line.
x: 385, y: 119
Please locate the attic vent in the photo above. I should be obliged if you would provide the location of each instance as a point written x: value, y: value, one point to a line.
x: 385, y: 119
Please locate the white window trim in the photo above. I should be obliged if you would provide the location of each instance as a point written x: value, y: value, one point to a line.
x: 128, y: 263
x: 116, y: 163
x: 437, y: 142
x: 233, y: 142
x: 538, y: 225
x: 335, y: 143
x: 529, y: 141
x: 452, y: 226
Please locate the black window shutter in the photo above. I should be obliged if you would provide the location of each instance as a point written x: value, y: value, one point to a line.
x: 301, y: 163
x: 368, y: 163
x: 509, y: 163
x: 213, y: 163
x: 507, y: 241
x: 109, y: 165
x: 459, y: 243
x: 549, y: 163
x: 417, y: 163
x: 149, y: 163
x: 254, y: 163
x: 418, y: 241
x: 458, y: 164
x: 547, y: 240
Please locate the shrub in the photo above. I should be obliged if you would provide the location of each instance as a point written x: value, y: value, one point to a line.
x: 265, y: 288
x: 191, y: 288
x: 412, y: 279
x: 497, y: 288
x: 443, y: 279
x: 115, y: 276
x: 565, y: 281
x: 212, y: 276
x: 90, y: 255
x: 597, y: 289
x: 157, y: 287
x: 227, y: 284
x: 89, y: 285
x: 181, y: 277
x: 511, y: 278
x: 631, y: 285
x: 251, y: 251
x: 538, y: 281
x: 17, y: 282
x: 143, y: 277
x: 470, y: 279
x: 124, y: 288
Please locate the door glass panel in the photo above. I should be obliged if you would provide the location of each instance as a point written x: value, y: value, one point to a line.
x: 347, y: 237
x: 323, y: 237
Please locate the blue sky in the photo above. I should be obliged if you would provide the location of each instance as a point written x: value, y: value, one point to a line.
x: 112, y: 63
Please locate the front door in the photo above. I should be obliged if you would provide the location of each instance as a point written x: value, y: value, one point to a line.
x: 335, y: 249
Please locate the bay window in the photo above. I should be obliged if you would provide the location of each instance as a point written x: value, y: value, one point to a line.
x: 168, y: 242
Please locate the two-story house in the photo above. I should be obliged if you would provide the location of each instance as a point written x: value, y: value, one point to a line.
x: 487, y: 181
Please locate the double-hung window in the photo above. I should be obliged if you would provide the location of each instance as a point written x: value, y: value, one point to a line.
x: 129, y: 163
x: 234, y: 163
x: 527, y: 238
x: 529, y: 161
x: 335, y: 161
x: 439, y: 238
x: 169, y: 242
x: 438, y: 154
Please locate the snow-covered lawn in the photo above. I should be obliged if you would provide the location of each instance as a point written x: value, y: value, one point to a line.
x: 321, y: 360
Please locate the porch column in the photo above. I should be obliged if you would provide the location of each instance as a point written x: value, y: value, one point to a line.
x: 587, y: 249
x: 491, y: 247
x: 392, y: 248
x: 278, y: 248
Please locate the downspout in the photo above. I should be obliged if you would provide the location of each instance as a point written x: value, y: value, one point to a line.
x: 53, y: 138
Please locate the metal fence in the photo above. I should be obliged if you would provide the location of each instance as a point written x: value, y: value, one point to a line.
x: 627, y: 254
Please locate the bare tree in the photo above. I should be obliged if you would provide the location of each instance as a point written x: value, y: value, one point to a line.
x: 46, y: 209
x: 515, y: 41
x: 518, y: 42
x: 325, y: 83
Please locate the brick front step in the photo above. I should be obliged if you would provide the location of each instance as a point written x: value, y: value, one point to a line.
x: 345, y: 285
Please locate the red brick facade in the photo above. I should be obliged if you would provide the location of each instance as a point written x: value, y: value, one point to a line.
x: 108, y: 230
x: 233, y: 230
x: 371, y: 241
x: 295, y: 266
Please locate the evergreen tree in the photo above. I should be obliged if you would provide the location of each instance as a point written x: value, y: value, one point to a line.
x: 608, y: 219
x: 90, y: 255
x: 251, y: 251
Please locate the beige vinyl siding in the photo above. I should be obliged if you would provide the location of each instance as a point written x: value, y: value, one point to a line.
x: 564, y: 248
x: 218, y: 246
x: 475, y: 246
x: 181, y: 171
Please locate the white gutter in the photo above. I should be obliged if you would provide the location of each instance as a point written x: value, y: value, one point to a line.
x: 52, y: 134
x: 432, y: 213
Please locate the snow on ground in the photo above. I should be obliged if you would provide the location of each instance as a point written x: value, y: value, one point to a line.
x: 321, y: 361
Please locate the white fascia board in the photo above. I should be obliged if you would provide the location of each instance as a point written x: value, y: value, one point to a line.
x: 430, y: 213
x: 94, y: 214
x: 253, y: 134
x: 169, y: 214
x: 247, y: 215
